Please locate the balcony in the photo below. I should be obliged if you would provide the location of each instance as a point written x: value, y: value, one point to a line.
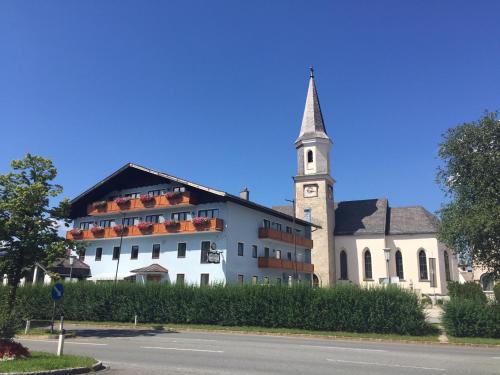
x: 267, y: 262
x: 160, y: 201
x: 214, y: 225
x: 276, y: 235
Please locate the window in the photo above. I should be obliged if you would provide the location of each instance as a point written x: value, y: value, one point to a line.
x: 254, y: 251
x: 134, y: 253
x: 98, y: 254
x: 310, y: 157
x: 155, y: 193
x: 154, y: 219
x: 266, y: 224
x: 307, y: 256
x: 116, y: 253
x: 399, y: 265
x: 307, y: 214
x: 288, y: 229
x: 81, y: 256
x: 266, y: 280
x: 240, y: 279
x: 343, y: 265
x: 241, y: 246
x: 132, y: 195
x: 212, y: 213
x: 156, y: 251
x: 447, y: 266
x: 368, y: 265
x: 179, y: 189
x: 422, y: 265
x: 278, y: 254
x: 106, y: 223
x: 205, y: 248
x: 130, y: 221
x: 266, y: 252
x: 204, y: 279
x: 85, y: 225
x: 179, y: 279
x: 277, y: 226
x: 289, y: 255
x: 255, y: 280
x: 181, y: 250
x: 181, y: 216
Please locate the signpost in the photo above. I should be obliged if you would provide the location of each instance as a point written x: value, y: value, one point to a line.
x: 57, y: 293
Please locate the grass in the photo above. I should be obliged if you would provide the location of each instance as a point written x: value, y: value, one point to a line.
x: 473, y: 340
x: 40, y: 361
x: 263, y: 330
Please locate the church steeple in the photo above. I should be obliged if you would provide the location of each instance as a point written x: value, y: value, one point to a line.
x: 312, y: 121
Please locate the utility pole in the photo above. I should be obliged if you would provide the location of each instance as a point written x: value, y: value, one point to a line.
x: 296, y: 275
x: 120, y: 251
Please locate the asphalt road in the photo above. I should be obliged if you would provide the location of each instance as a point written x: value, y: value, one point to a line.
x: 151, y: 352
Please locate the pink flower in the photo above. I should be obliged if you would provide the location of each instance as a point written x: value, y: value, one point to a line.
x: 97, y: 230
x: 171, y: 223
x: 173, y: 194
x: 122, y: 200
x: 144, y: 226
x: 200, y: 220
x: 76, y: 232
x: 119, y: 229
x: 145, y: 198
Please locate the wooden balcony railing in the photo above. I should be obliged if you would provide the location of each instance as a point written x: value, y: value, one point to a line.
x: 273, y: 234
x: 160, y: 201
x: 268, y: 262
x: 160, y: 228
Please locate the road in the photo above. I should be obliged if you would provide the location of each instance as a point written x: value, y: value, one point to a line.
x: 153, y: 352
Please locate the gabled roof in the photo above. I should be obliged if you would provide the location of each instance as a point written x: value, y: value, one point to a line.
x: 152, y: 268
x: 64, y: 268
x: 133, y: 175
x: 411, y: 220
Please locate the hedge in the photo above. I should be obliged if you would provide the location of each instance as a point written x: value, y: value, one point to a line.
x: 468, y: 318
x: 468, y: 291
x: 340, y: 308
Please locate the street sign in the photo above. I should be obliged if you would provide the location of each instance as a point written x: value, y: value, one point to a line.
x: 213, y: 257
x: 57, y: 291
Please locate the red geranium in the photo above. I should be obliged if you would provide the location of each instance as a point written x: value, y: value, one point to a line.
x: 119, y: 229
x: 146, y: 198
x: 144, y: 226
x: 97, y: 230
x: 173, y: 194
x: 171, y: 223
x: 122, y: 200
x: 76, y: 232
x: 200, y: 220
x: 9, y: 349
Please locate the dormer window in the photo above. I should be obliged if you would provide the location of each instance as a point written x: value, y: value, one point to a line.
x: 310, y: 157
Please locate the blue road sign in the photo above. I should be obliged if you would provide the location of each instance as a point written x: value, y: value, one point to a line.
x: 57, y: 291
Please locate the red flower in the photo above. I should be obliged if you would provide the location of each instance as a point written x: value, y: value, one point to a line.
x: 144, y: 226
x: 76, y: 232
x: 200, y: 220
x: 119, y: 229
x: 173, y: 194
x: 146, y: 198
x: 122, y: 200
x: 171, y: 223
x: 97, y: 230
x: 9, y: 349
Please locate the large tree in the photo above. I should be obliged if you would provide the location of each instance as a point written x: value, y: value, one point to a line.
x: 470, y: 175
x: 28, y: 224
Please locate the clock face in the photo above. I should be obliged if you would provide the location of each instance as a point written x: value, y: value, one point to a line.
x: 310, y: 191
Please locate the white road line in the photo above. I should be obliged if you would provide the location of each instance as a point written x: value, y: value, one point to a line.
x: 183, y: 349
x: 67, y: 342
x: 386, y: 365
x: 343, y: 348
x: 495, y: 357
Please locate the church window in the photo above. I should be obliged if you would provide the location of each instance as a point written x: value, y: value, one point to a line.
x: 399, y: 265
x: 343, y: 265
x: 422, y: 264
x: 368, y: 265
x: 310, y: 156
x: 447, y: 266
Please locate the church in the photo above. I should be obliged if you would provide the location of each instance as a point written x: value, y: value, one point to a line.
x: 364, y: 242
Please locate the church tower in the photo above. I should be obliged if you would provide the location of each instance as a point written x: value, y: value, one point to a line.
x: 314, y: 186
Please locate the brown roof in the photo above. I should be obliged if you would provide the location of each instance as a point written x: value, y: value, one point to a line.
x: 153, y: 268
x: 63, y: 267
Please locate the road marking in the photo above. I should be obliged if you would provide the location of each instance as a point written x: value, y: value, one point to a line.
x: 67, y: 342
x: 386, y: 365
x: 183, y: 349
x: 495, y: 357
x: 344, y: 348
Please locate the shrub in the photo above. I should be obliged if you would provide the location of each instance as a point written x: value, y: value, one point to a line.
x: 496, y: 290
x: 340, y: 308
x: 468, y: 318
x: 469, y: 291
x: 9, y: 349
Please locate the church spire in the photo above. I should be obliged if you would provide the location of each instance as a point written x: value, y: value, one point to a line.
x: 312, y: 121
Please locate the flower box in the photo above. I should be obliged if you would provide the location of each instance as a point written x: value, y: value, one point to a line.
x: 173, y: 195
x: 171, y: 223
x: 145, y: 226
x: 199, y: 221
x: 97, y: 230
x: 122, y: 201
x: 100, y: 205
x: 146, y: 198
x: 76, y: 232
x: 120, y: 229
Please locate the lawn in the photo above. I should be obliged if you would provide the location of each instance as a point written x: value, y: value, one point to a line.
x: 45, y: 361
x: 474, y: 340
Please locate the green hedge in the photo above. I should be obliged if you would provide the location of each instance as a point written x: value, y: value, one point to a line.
x: 468, y: 291
x: 468, y: 318
x: 496, y: 290
x: 341, y: 308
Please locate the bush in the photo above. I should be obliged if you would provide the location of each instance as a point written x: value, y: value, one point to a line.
x: 341, y: 308
x: 468, y: 291
x: 10, y: 349
x: 467, y: 318
x: 496, y: 290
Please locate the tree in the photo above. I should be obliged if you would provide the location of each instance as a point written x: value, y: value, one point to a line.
x: 470, y: 176
x: 28, y: 225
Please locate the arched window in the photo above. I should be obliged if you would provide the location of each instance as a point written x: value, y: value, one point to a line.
x: 486, y: 281
x: 399, y: 265
x: 310, y: 157
x: 368, y: 265
x: 447, y: 266
x: 422, y: 265
x: 343, y: 265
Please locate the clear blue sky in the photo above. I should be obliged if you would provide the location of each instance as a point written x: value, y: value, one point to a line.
x: 213, y: 91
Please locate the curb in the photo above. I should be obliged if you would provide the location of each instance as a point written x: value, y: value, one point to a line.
x: 98, y: 366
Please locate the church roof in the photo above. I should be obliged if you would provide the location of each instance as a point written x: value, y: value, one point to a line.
x: 411, y: 220
x: 312, y: 121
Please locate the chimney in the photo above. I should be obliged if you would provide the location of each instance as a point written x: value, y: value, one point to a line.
x: 245, y: 194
